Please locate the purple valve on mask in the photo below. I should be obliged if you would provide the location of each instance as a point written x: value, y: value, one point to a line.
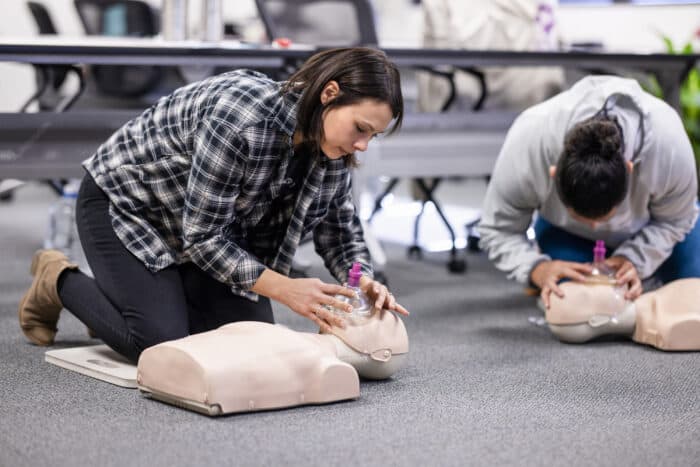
x: 354, y: 275
x: 599, y: 252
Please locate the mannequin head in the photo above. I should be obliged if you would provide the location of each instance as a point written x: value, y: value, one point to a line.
x: 667, y: 318
x: 588, y: 311
x: 376, y: 345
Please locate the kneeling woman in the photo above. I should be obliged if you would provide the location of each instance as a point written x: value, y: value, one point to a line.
x: 190, y: 214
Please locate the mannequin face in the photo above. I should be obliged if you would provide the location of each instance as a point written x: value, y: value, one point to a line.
x: 373, y: 335
x: 582, y: 301
x: 378, y: 343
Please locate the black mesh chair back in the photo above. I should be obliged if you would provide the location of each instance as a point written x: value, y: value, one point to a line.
x: 121, y: 18
x: 319, y: 22
x: 117, y: 18
x: 45, y: 25
x: 42, y: 18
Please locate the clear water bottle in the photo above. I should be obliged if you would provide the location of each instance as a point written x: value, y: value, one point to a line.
x: 62, y: 233
x: 361, y: 305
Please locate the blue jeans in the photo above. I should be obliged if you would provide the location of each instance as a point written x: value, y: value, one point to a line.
x: 562, y: 245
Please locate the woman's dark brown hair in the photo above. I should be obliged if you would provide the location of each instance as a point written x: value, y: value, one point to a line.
x: 361, y: 73
x: 591, y: 176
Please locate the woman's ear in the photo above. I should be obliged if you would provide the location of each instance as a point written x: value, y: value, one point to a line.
x: 630, y: 166
x: 552, y: 171
x: 330, y: 92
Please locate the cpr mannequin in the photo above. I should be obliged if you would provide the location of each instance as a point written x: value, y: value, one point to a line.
x: 667, y: 318
x: 248, y: 366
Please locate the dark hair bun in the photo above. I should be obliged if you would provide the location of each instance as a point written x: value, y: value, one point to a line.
x: 599, y: 138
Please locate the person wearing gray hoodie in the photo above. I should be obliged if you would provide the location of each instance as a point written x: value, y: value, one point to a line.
x: 603, y: 160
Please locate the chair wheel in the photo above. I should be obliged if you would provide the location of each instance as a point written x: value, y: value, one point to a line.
x: 457, y: 266
x: 415, y: 252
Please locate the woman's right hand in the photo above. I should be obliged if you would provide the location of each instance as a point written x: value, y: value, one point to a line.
x: 547, y: 274
x: 311, y: 297
x: 307, y: 297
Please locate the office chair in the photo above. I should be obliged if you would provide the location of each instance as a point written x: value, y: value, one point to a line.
x: 131, y: 18
x: 50, y: 77
x: 297, y: 20
x: 427, y: 186
x: 46, y: 26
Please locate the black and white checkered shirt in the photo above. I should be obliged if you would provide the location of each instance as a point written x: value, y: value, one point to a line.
x: 191, y: 178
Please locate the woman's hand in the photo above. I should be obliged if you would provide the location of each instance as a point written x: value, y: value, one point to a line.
x: 626, y: 273
x: 380, y: 295
x: 307, y: 297
x: 547, y: 275
x: 312, y: 297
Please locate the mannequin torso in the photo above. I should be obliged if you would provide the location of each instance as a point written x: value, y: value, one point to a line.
x: 249, y: 366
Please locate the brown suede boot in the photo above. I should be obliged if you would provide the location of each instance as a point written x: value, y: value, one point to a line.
x: 40, y: 306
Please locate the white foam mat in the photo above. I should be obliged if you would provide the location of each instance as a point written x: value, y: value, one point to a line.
x: 96, y: 361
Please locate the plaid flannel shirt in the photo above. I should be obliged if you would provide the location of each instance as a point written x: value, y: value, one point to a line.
x: 192, y: 176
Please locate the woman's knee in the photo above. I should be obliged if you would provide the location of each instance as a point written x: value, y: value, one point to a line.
x: 149, y: 328
x: 144, y: 339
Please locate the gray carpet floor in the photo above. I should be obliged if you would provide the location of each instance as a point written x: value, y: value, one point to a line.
x: 483, y: 386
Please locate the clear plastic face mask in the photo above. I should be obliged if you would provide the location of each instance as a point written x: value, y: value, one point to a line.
x: 603, y: 275
x: 621, y: 304
x: 619, y: 294
x: 360, y: 303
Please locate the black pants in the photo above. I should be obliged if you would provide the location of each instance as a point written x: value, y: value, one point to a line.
x: 131, y: 308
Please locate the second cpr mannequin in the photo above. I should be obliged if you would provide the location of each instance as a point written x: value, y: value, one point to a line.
x: 667, y: 318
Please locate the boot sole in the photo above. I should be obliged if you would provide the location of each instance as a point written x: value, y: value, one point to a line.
x: 27, y: 331
x: 32, y: 269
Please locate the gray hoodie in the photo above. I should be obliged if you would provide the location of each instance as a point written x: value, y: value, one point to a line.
x: 658, y: 212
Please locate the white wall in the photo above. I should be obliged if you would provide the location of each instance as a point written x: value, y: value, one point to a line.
x: 629, y: 27
x: 626, y: 27
x: 619, y: 27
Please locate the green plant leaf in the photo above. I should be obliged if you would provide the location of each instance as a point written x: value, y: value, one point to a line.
x: 669, y: 44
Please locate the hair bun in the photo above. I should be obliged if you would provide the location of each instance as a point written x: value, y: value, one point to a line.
x: 599, y: 138
x: 610, y: 139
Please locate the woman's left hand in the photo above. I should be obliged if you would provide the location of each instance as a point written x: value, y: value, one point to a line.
x: 626, y: 274
x: 378, y: 292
